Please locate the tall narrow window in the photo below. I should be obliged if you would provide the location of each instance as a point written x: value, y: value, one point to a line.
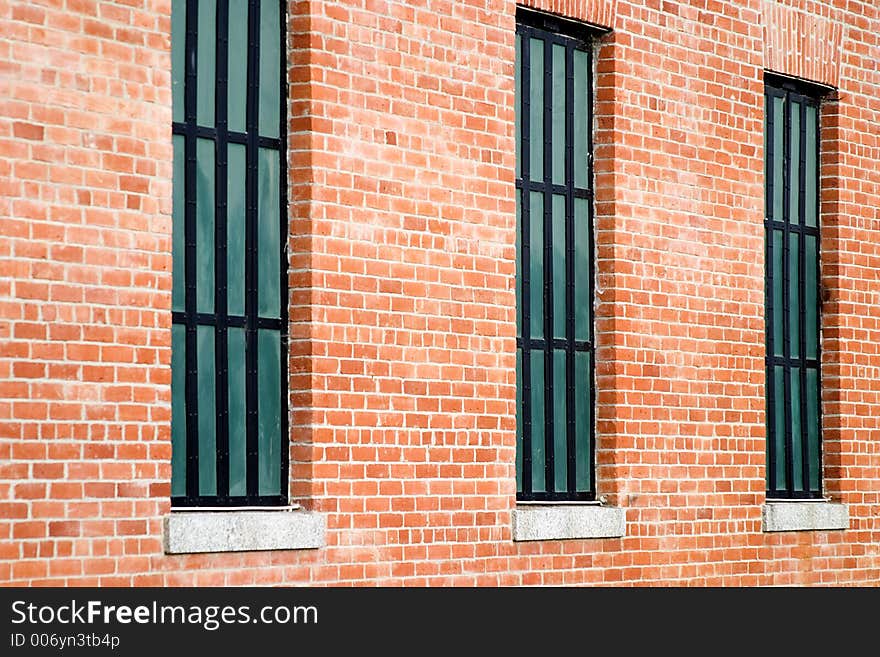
x: 554, y: 276
x: 792, y: 299
x: 229, y: 276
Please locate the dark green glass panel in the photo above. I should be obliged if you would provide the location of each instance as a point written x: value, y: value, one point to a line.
x: 778, y: 157
x: 811, y: 293
x: 178, y: 58
x: 238, y: 61
x: 812, y: 421
x: 205, y: 204
x: 558, y: 114
x: 519, y: 420
x: 794, y: 164
x: 518, y: 281
x: 779, y: 437
x: 582, y: 110
x: 560, y: 446
x: 537, y: 392
x: 178, y: 224
x: 235, y: 229
x: 237, y: 413
x: 583, y: 409
x: 269, y: 411
x: 793, y: 296
x: 536, y: 264
x: 536, y: 110
x: 270, y: 68
x: 812, y: 147
x: 206, y: 62
x: 517, y: 82
x: 583, y: 256
x: 207, y: 411
x: 178, y: 410
x: 797, y: 457
x: 778, y: 285
x: 268, y: 236
x: 559, y: 279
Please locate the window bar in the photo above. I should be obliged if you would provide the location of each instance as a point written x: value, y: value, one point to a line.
x: 251, y: 261
x: 549, y: 400
x: 769, y: 384
x: 283, y: 240
x: 591, y: 433
x: 802, y: 333
x: 786, y: 294
x: 570, y: 428
x: 525, y: 296
x: 191, y: 385
x: 817, y: 137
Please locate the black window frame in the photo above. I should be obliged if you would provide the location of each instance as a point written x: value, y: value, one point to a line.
x: 805, y: 94
x: 251, y: 322
x: 571, y: 34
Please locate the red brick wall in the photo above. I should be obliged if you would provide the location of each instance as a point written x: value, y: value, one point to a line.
x: 402, y: 307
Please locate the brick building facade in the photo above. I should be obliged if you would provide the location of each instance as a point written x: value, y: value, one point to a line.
x: 401, y: 357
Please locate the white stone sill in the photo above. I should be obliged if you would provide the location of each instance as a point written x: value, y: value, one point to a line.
x: 239, y: 530
x: 534, y: 522
x: 804, y: 515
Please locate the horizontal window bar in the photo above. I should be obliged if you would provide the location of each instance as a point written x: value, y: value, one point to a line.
x: 235, y: 321
x: 808, y: 363
x: 793, y: 228
x: 582, y: 496
x: 538, y: 186
x: 233, y: 137
x: 238, y: 501
x: 540, y: 344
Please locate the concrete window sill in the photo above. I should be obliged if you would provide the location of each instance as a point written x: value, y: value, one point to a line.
x: 560, y: 521
x: 189, y: 532
x: 804, y: 516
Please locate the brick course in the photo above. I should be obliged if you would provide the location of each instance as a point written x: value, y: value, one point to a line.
x: 402, y: 318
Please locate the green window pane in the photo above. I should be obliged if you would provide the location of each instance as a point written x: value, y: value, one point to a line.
x: 583, y: 410
x: 207, y: 410
x: 583, y: 256
x: 517, y: 83
x: 205, y: 203
x: 560, y: 445
x: 178, y: 410
x: 178, y: 58
x: 778, y: 283
x: 238, y: 61
x: 778, y: 157
x: 235, y: 229
x: 779, y: 437
x: 518, y: 286
x: 178, y: 243
x: 794, y: 165
x: 206, y: 61
x: 270, y: 68
x: 794, y: 302
x: 536, y: 110
x: 536, y: 264
x: 237, y: 413
x: 268, y: 235
x: 797, y: 458
x: 559, y: 282
x: 811, y: 293
x: 812, y: 143
x: 812, y: 421
x: 519, y: 420
x: 269, y: 411
x: 581, y: 146
x: 558, y: 114
x: 537, y: 402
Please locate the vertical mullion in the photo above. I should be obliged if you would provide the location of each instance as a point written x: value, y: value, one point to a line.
x: 283, y: 237
x: 525, y: 269
x: 220, y: 275
x: 802, y: 337
x: 592, y: 274
x: 251, y: 261
x: 191, y: 385
x: 549, y: 401
x: 570, y: 429
x: 816, y: 192
x: 786, y: 293
x: 769, y: 386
